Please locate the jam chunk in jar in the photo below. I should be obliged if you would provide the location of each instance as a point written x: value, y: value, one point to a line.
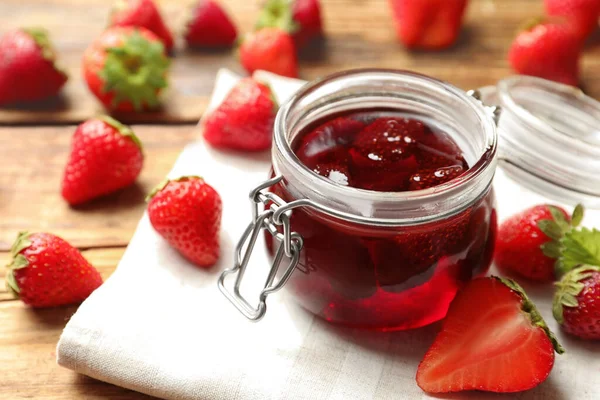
x: 391, y: 278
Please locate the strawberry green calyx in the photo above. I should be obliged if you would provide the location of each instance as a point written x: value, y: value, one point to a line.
x: 40, y: 36
x: 18, y: 261
x: 165, y: 182
x: 580, y: 246
x: 122, y: 129
x: 529, y: 308
x: 559, y: 230
x: 569, y: 287
x: 136, y: 71
x: 277, y: 13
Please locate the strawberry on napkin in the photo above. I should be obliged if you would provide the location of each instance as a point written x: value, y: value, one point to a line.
x: 160, y: 326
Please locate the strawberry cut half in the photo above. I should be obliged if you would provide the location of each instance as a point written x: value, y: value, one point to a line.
x: 493, y: 339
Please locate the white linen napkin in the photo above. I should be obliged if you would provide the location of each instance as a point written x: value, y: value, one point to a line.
x: 160, y: 326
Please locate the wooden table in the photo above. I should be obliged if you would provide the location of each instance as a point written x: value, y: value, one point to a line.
x: 34, y: 143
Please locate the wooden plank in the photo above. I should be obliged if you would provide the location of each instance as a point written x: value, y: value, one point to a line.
x: 28, y: 340
x: 33, y: 160
x: 353, y: 41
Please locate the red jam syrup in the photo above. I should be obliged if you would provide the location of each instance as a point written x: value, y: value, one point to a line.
x: 386, y: 278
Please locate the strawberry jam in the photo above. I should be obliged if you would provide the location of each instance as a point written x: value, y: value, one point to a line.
x: 386, y: 278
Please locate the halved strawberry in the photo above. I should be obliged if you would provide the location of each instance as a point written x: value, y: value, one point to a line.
x: 493, y: 339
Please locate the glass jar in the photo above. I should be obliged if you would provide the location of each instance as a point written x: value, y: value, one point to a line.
x: 549, y: 144
x: 379, y: 260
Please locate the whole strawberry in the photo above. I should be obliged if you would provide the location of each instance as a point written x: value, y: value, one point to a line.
x: 583, y: 14
x: 269, y: 49
x: 105, y: 157
x: 142, y: 13
x: 28, y: 70
x: 46, y: 271
x: 244, y: 120
x: 302, y: 18
x: 576, y: 304
x: 210, y: 26
x: 549, y: 50
x: 528, y: 243
x: 493, y: 339
x: 428, y: 24
x: 126, y: 68
x: 186, y: 212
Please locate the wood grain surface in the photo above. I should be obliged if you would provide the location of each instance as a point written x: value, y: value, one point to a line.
x: 359, y: 34
x: 33, y: 160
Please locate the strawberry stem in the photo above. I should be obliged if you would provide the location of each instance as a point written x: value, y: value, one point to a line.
x: 277, y: 13
x: 165, y: 182
x: 122, y: 128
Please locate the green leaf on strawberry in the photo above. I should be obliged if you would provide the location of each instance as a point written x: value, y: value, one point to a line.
x: 569, y: 288
x: 570, y: 247
x: 277, y: 13
x: 577, y: 216
x: 135, y: 71
x: 578, y: 247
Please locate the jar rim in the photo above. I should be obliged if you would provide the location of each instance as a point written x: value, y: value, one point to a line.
x: 433, y: 195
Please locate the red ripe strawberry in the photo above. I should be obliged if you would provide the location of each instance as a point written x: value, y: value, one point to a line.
x: 46, y: 271
x: 583, y: 13
x: 428, y: 24
x: 210, y: 26
x: 28, y: 71
x: 433, y: 177
x: 186, y: 212
x: 126, y: 68
x: 307, y: 14
x: 529, y: 242
x: 302, y: 18
x: 144, y: 14
x: 269, y: 49
x: 244, y: 121
x: 576, y: 302
x: 548, y: 50
x: 105, y: 156
x: 493, y: 339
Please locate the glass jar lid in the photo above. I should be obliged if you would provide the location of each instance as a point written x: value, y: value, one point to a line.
x: 549, y: 137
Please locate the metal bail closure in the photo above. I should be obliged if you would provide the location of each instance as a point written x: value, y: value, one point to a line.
x: 270, y: 213
x: 496, y: 111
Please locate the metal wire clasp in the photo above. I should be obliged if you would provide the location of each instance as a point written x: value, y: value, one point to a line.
x: 270, y: 213
x: 495, y: 111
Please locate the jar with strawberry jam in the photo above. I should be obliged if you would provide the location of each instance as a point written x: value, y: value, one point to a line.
x: 380, y: 206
